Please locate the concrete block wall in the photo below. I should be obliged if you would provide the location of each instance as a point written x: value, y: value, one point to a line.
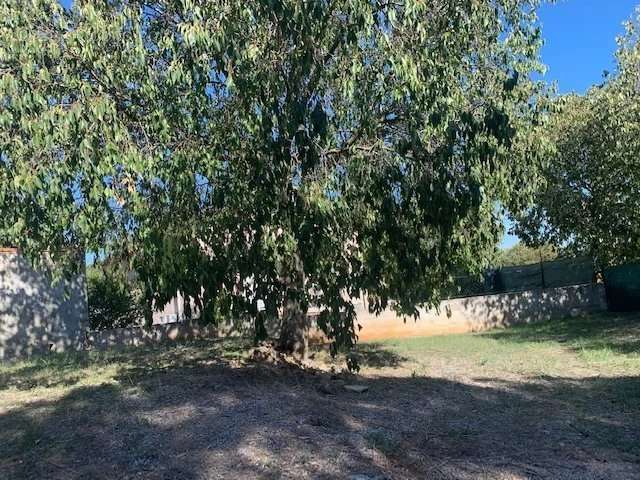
x: 138, y: 336
x: 35, y: 315
x: 475, y: 314
x: 38, y: 317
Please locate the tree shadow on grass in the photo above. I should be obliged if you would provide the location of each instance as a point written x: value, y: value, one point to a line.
x: 619, y: 333
x: 376, y: 355
x: 65, y: 369
x: 209, y: 419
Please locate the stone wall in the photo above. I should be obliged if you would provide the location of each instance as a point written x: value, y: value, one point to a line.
x: 137, y: 336
x: 35, y: 315
x: 461, y: 315
x: 475, y: 314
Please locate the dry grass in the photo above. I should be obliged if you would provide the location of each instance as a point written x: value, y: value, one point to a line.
x: 553, y: 400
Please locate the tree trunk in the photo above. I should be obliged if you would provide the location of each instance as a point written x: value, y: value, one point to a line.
x: 294, y: 332
x: 260, y: 333
x: 295, y: 329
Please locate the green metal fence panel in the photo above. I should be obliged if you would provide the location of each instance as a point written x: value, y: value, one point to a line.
x: 623, y: 287
x: 567, y: 272
x: 525, y: 277
x: 622, y: 283
x: 468, y: 286
x: 558, y: 273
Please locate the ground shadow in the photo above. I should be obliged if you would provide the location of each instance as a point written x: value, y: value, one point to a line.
x: 206, y: 418
x: 61, y: 369
x: 375, y: 355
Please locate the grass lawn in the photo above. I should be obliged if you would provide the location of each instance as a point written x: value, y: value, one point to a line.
x: 553, y: 400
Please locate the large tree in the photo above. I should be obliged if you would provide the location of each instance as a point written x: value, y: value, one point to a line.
x: 300, y: 152
x: 591, y: 200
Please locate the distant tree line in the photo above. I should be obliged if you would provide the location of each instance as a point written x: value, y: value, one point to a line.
x: 521, y: 254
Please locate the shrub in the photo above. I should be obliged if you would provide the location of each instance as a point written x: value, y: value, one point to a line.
x: 114, y: 301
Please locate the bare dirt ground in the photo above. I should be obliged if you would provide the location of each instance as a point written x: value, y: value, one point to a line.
x: 431, y: 411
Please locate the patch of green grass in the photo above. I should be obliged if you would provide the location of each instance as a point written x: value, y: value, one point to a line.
x: 603, y: 344
x: 60, y: 371
x: 474, y: 352
x: 607, y: 343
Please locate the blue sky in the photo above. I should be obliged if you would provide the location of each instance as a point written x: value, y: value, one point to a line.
x: 580, y: 40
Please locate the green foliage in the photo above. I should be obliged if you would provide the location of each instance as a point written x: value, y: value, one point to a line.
x: 296, y: 152
x: 113, y: 300
x: 591, y: 202
x: 521, y: 254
